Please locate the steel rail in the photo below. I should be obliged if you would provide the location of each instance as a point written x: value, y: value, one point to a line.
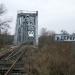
x: 5, y: 54
x: 13, y: 54
x: 14, y: 63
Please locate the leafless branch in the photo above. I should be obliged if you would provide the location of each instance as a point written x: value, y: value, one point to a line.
x: 2, y: 9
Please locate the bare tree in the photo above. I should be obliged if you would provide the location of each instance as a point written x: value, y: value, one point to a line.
x: 4, y: 26
x: 45, y: 32
x: 64, y: 32
x: 46, y: 37
x: 4, y: 23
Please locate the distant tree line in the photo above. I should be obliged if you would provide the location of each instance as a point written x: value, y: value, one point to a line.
x: 48, y: 37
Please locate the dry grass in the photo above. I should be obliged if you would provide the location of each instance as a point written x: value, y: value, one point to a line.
x: 51, y: 59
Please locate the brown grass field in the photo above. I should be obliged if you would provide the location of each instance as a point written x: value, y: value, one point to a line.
x: 52, y: 58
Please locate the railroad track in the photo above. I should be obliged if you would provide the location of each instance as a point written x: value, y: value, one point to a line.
x: 5, y: 53
x: 11, y: 63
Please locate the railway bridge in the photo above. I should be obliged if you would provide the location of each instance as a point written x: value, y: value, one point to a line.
x: 26, y: 27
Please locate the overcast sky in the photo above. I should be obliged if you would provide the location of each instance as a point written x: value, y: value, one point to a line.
x: 54, y: 15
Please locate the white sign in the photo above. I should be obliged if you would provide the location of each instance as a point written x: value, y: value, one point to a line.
x: 31, y: 33
x: 62, y: 37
